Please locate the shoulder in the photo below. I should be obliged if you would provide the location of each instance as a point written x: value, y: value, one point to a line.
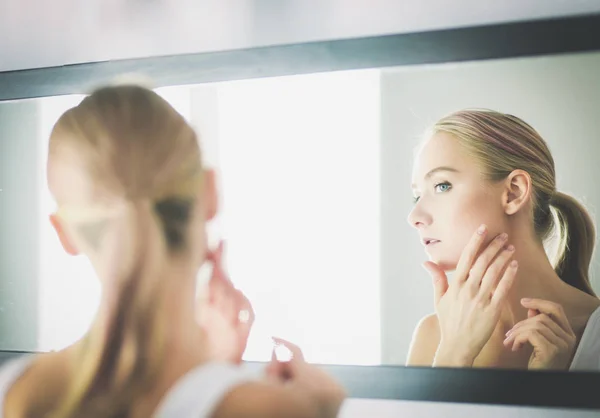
x: 11, y: 375
x: 425, y: 341
x: 429, y: 323
x: 11, y: 370
x: 219, y: 389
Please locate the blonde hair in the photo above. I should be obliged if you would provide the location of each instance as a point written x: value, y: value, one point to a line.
x: 503, y: 143
x: 140, y: 166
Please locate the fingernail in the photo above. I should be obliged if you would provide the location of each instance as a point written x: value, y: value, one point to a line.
x: 526, y: 300
x: 510, y: 248
x: 514, y: 264
x: 503, y: 236
x: 482, y: 229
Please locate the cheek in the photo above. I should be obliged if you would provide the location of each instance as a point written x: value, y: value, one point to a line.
x: 465, y: 215
x: 475, y: 209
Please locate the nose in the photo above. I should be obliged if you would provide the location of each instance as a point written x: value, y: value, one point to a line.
x: 418, y: 217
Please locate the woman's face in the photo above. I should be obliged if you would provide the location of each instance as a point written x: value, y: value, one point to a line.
x: 452, y: 199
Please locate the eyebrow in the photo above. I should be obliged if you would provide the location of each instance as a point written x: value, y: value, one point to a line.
x: 437, y: 170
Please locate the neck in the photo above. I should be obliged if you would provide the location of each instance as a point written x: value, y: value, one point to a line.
x: 185, y: 339
x: 537, y: 279
x: 184, y: 334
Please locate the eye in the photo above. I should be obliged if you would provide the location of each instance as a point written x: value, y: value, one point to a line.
x: 442, y: 187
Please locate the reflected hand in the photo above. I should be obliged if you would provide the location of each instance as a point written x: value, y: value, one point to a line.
x: 548, y: 331
x: 468, y: 310
x: 226, y: 314
x: 303, y: 378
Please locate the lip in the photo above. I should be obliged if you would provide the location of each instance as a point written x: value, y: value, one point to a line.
x: 429, y: 241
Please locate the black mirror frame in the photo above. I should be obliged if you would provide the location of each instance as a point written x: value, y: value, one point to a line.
x: 510, y: 40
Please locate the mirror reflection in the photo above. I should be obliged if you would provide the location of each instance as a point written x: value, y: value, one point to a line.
x: 337, y: 188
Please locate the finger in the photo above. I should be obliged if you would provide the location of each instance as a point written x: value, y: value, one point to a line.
x: 535, y: 327
x: 505, y: 284
x: 440, y: 280
x: 542, y: 340
x: 484, y: 261
x: 218, y: 271
x: 469, y: 254
x: 218, y: 279
x: 545, y: 322
x: 217, y: 260
x: 246, y: 305
x: 294, y: 349
x: 495, y: 271
x: 532, y: 312
x: 277, y: 370
x: 245, y: 315
x: 216, y: 253
x: 222, y: 296
x: 532, y: 337
x: 554, y: 310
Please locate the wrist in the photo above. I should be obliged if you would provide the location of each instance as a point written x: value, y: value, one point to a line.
x: 450, y: 356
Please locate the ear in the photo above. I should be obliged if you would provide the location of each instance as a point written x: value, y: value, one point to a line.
x: 211, y: 197
x: 62, y: 235
x: 517, y: 191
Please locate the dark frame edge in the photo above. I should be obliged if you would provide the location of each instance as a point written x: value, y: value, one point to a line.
x: 506, y: 40
x: 545, y: 389
x: 510, y: 40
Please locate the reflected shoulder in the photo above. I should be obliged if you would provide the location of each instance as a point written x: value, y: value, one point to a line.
x: 430, y: 322
x: 425, y: 342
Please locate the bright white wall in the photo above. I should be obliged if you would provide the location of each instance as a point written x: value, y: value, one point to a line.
x: 68, y: 291
x: 299, y: 159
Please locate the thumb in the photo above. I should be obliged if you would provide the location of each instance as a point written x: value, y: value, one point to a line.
x: 440, y: 280
x: 277, y: 371
x: 272, y: 369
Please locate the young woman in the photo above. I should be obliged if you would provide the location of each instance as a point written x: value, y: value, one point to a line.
x: 125, y: 169
x: 507, y: 305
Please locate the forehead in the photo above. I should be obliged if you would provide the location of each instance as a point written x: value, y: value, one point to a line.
x: 442, y: 150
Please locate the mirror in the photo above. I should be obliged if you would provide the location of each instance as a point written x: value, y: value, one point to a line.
x: 315, y: 174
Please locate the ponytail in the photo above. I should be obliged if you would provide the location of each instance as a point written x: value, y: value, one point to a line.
x: 126, y: 142
x: 577, y: 237
x: 122, y: 354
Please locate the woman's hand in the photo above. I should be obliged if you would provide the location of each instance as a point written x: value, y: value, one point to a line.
x: 321, y: 389
x: 225, y: 314
x: 469, y: 308
x: 548, y: 331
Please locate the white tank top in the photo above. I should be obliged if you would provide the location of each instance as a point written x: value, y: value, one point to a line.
x: 587, y: 356
x: 194, y: 395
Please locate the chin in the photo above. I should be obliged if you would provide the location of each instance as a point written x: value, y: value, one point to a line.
x: 445, y: 264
